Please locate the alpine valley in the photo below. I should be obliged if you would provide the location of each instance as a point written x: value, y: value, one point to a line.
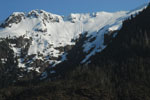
x: 91, y: 56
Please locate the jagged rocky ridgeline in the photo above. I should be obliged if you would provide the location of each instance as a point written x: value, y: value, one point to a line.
x: 39, y: 40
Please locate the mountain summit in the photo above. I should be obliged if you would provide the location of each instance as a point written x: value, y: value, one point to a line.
x: 39, y: 40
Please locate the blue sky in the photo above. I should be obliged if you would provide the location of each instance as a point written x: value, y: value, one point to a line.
x: 65, y: 7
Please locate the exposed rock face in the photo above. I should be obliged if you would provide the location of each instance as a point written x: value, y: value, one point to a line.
x: 41, y: 30
x: 65, y: 49
x: 14, y: 18
x: 46, y: 16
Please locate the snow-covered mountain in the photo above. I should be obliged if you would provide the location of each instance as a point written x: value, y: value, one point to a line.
x: 41, y: 40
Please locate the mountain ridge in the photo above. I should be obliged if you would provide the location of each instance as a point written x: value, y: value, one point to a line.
x: 41, y: 40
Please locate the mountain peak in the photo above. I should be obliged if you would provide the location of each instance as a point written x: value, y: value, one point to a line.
x: 45, y: 15
x: 15, y: 17
x: 50, y: 36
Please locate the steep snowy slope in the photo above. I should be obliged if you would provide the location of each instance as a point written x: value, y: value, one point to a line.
x: 45, y: 38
